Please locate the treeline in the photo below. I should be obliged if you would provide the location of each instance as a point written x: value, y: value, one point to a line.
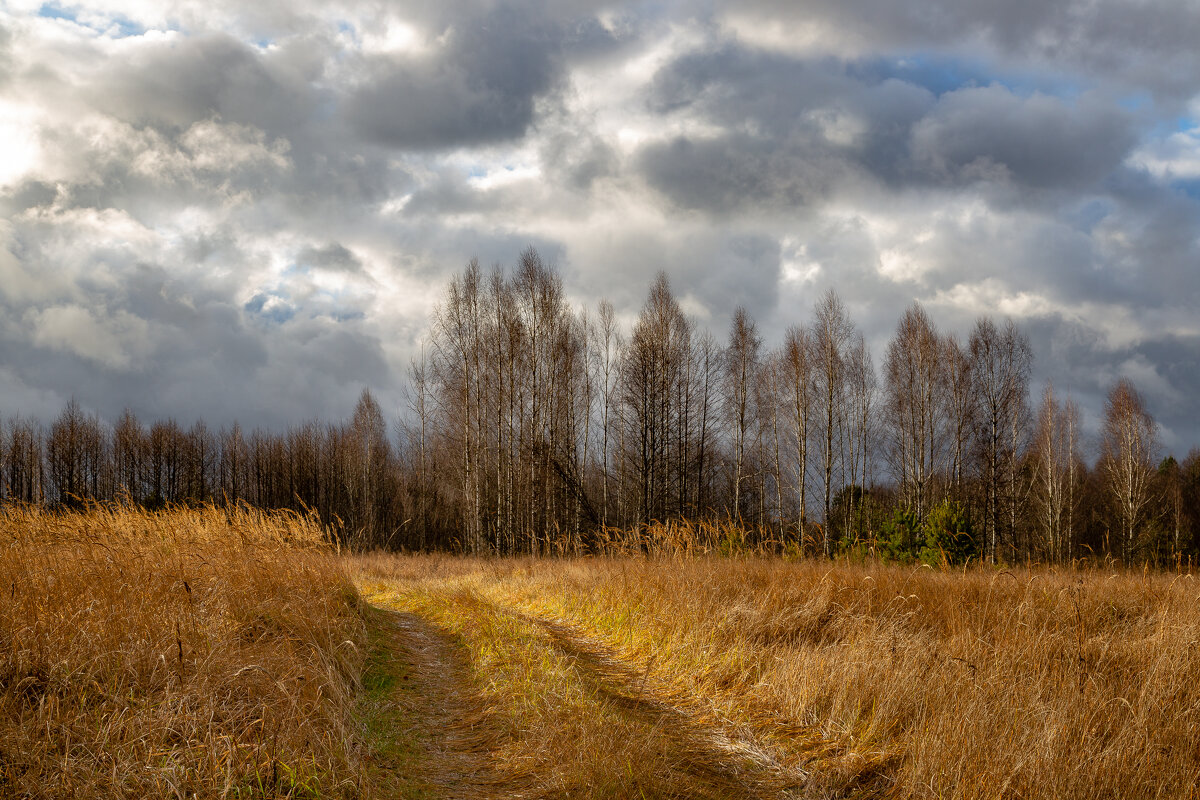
x: 349, y: 473
x: 532, y: 425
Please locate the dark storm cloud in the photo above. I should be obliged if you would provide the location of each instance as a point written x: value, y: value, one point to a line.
x: 26, y: 195
x: 794, y: 131
x: 333, y: 256
x: 1152, y: 241
x: 578, y: 158
x: 797, y: 131
x: 1177, y: 359
x: 1139, y: 46
x: 171, y: 346
x: 201, y: 95
x: 176, y: 83
x: 1039, y: 141
x: 735, y: 85
x: 479, y: 87
x: 738, y: 171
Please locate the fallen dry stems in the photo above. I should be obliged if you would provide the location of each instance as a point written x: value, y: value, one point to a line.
x: 202, y: 652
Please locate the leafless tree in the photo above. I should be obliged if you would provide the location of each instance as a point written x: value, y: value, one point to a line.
x: 741, y: 365
x: 129, y: 449
x: 651, y: 373
x: 861, y: 392
x: 1000, y: 363
x: 706, y: 355
x: 233, y: 464
x: 832, y: 333
x: 916, y: 380
x: 1054, y: 449
x: 419, y: 405
x: 24, y: 463
x: 75, y: 455
x: 961, y: 404
x: 798, y: 356
x: 1129, y: 446
x: 607, y: 350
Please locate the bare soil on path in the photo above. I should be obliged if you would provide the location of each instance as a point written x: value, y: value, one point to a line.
x: 457, y: 744
x: 430, y: 735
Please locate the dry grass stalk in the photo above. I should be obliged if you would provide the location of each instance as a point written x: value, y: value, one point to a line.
x: 185, y: 653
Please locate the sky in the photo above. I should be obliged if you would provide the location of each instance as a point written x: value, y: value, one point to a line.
x: 248, y: 211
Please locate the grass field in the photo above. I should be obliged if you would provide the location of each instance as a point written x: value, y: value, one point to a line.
x: 760, y: 678
x: 185, y: 654
x: 206, y: 653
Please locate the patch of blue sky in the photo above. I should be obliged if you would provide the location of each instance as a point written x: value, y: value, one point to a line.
x: 293, y: 269
x: 1167, y: 126
x: 1189, y: 187
x: 326, y: 300
x: 262, y: 306
x: 1089, y: 214
x: 115, y: 27
x: 55, y: 11
x: 123, y: 28
x: 940, y: 73
x: 1136, y: 101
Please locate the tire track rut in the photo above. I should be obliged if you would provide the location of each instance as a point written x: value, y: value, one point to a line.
x: 446, y: 717
x: 732, y: 763
x: 468, y: 739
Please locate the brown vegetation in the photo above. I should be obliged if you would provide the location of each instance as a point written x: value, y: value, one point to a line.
x: 834, y: 679
x: 185, y: 653
x: 224, y: 653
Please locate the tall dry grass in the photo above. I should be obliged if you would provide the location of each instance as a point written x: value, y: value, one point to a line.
x: 184, y: 653
x: 893, y: 681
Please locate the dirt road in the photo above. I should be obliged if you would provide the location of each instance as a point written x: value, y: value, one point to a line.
x: 492, y: 701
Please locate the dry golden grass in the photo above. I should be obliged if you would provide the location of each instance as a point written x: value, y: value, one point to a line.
x: 870, y: 680
x: 552, y: 714
x: 187, y: 653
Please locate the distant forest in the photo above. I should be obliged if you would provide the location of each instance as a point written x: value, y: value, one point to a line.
x: 533, y: 427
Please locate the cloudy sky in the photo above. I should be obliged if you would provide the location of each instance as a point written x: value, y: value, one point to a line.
x: 246, y: 210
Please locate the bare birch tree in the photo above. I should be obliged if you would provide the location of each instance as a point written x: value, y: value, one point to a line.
x: 741, y: 365
x: 915, y: 371
x: 1129, y: 445
x: 831, y: 334
x: 1054, y: 490
x: 1000, y: 363
x: 800, y: 380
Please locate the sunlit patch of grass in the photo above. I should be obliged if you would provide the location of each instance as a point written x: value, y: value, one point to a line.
x: 189, y: 652
x: 874, y: 680
x: 571, y: 724
x: 567, y: 727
